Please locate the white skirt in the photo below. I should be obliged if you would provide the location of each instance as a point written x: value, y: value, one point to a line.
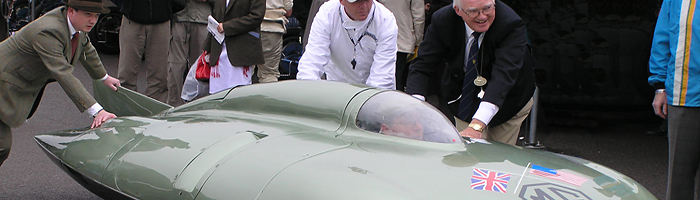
x: 224, y: 75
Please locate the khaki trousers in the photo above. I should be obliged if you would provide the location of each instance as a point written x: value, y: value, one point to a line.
x: 150, y: 43
x: 272, y: 52
x: 507, y: 132
x: 185, y: 47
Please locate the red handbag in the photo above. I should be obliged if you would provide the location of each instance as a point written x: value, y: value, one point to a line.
x: 203, y: 69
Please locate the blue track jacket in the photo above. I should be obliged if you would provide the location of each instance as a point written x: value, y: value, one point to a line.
x: 675, y: 54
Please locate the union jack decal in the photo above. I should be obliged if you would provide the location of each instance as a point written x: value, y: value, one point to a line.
x: 490, y: 180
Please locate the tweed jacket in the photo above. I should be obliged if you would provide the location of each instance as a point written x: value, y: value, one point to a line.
x: 38, y: 54
x: 241, y: 19
x: 506, y: 61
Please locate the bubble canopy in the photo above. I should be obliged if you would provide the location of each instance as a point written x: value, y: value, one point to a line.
x: 398, y: 114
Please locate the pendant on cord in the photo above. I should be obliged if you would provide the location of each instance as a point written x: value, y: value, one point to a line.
x: 353, y: 63
x: 480, y: 81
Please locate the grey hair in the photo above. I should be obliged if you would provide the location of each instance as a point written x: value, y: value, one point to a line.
x: 458, y: 3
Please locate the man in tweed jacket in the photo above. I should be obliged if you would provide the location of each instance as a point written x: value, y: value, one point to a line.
x: 40, y: 53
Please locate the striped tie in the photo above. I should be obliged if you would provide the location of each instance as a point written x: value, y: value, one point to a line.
x: 468, y: 88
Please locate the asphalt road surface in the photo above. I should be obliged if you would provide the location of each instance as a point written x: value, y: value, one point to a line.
x: 616, y: 140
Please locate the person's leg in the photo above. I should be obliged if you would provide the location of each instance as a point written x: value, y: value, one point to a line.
x: 177, y: 62
x: 4, y: 30
x: 507, y: 132
x: 460, y: 125
x: 131, y: 42
x: 401, y: 71
x: 192, y: 49
x: 156, y: 54
x: 683, y: 151
x: 198, y: 34
x: 5, y: 141
x: 272, y: 50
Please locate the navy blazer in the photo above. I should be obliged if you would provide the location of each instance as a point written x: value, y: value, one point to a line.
x: 505, y: 61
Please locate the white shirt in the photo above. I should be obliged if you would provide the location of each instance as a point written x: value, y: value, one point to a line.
x: 330, y: 49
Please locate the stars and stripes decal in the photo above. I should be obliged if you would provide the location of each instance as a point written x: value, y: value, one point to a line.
x: 558, y: 175
x: 490, y: 180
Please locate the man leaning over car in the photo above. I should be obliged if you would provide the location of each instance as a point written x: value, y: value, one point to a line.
x: 44, y: 51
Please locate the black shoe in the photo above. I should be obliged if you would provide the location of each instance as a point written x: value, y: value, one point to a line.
x: 657, y: 132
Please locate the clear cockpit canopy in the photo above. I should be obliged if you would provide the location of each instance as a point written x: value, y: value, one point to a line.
x: 397, y: 114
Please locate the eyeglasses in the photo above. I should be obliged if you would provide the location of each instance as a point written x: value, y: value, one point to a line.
x: 486, y: 10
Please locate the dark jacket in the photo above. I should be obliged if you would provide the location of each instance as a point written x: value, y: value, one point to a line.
x: 241, y: 19
x: 507, y: 63
x: 148, y: 11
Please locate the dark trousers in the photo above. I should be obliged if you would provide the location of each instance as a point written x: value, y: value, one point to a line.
x: 683, y: 151
x: 401, y: 71
x: 4, y: 30
x: 5, y: 141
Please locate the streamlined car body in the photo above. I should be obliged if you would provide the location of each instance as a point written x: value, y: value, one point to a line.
x: 311, y: 140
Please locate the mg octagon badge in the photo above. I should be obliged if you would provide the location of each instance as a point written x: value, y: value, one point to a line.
x: 550, y: 191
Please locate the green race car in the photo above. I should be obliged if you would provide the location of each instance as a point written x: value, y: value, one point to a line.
x: 311, y: 140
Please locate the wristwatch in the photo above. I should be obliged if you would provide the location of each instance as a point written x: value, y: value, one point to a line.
x: 476, y: 127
